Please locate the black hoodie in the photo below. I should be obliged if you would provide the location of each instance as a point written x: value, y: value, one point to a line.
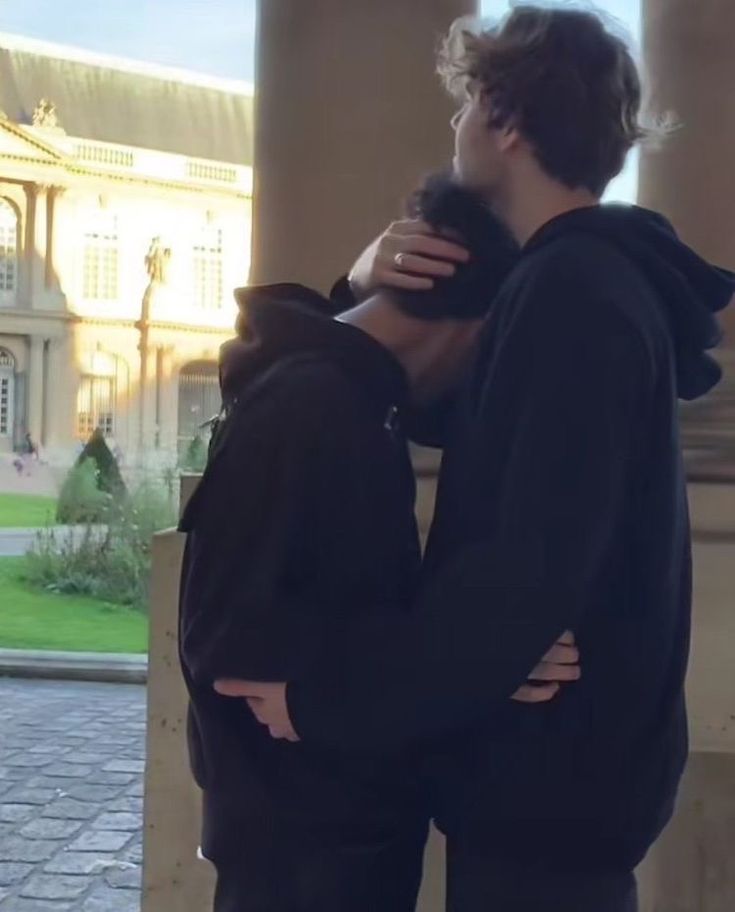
x: 561, y: 505
x: 293, y: 529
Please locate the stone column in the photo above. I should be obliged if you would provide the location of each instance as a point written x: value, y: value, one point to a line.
x: 27, y: 263
x: 691, y: 868
x: 61, y: 416
x: 174, y: 878
x: 690, y: 178
x: 36, y: 388
x: 51, y: 280
x: 41, y: 240
x: 691, y: 68
x: 349, y: 117
x: 38, y: 246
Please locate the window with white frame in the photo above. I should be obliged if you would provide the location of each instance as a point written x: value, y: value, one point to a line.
x: 7, y: 392
x: 101, y: 258
x: 208, y: 282
x: 96, y: 397
x: 8, y: 252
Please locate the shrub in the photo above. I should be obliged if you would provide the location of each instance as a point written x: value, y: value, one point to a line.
x: 110, y: 561
x: 109, y: 478
x: 92, y: 484
x: 195, y: 457
x: 81, y: 500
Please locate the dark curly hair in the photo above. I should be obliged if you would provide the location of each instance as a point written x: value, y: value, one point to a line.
x: 468, y: 294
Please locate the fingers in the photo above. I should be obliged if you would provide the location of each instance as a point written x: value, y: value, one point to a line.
x: 415, y: 264
x: 227, y: 687
x: 395, y: 279
x: 562, y: 655
x: 541, y: 693
x: 428, y: 244
x: 567, y: 639
x: 283, y: 734
x: 549, y: 671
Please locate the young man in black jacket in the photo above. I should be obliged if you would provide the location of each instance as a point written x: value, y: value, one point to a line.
x: 562, y: 498
x: 302, y: 526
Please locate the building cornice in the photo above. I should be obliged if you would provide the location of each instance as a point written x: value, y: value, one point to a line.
x: 60, y: 164
x: 107, y: 61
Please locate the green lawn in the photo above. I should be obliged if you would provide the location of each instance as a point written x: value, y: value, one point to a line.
x: 31, y: 619
x: 26, y: 511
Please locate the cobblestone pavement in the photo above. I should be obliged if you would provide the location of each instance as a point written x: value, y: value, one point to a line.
x: 71, y: 796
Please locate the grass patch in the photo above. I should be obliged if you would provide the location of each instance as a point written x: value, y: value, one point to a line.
x: 34, y: 619
x: 26, y: 511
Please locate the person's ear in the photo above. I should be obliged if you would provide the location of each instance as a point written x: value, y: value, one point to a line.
x: 509, y: 138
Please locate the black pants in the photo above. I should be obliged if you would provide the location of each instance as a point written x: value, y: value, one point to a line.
x: 477, y: 882
x: 290, y: 873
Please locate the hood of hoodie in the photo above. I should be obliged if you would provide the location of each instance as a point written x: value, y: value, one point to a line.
x: 280, y: 321
x: 691, y: 290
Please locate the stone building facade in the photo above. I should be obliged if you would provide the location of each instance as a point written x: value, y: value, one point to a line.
x: 125, y: 221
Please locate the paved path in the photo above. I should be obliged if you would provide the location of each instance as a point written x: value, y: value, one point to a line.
x: 17, y: 542
x: 44, y: 480
x: 71, y: 787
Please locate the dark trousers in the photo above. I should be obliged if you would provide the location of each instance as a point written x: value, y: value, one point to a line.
x: 290, y: 873
x: 477, y: 882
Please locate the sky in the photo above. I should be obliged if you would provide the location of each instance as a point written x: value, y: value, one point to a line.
x: 216, y: 37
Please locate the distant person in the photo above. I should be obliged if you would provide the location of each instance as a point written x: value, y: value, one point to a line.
x: 29, y: 454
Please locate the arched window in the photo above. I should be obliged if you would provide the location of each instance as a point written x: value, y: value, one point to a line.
x: 8, y: 253
x: 208, y: 283
x: 7, y: 393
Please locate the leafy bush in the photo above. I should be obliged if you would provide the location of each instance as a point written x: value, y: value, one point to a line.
x: 81, y: 500
x: 92, y: 484
x: 109, y: 478
x: 195, y: 457
x: 111, y: 561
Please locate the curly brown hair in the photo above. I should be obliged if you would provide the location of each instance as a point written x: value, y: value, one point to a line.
x: 563, y: 79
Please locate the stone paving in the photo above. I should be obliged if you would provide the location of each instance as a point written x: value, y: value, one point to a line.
x: 71, y: 796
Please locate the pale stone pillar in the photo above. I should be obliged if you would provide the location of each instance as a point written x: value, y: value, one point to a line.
x: 174, y: 878
x: 690, y: 72
x: 40, y: 244
x: 690, y: 69
x: 61, y: 420
x: 692, y: 868
x: 349, y: 117
x: 27, y: 263
x: 36, y: 388
x: 51, y: 279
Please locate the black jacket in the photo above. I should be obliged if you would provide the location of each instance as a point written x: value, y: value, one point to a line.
x: 561, y: 505
x: 303, y: 522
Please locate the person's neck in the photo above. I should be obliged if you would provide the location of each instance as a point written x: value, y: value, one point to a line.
x: 421, y: 347
x: 531, y: 200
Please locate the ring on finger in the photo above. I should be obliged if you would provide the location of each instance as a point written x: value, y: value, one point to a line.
x: 399, y: 259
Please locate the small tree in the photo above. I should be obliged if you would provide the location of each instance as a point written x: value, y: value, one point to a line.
x: 109, y: 478
x: 80, y: 499
x: 195, y: 457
